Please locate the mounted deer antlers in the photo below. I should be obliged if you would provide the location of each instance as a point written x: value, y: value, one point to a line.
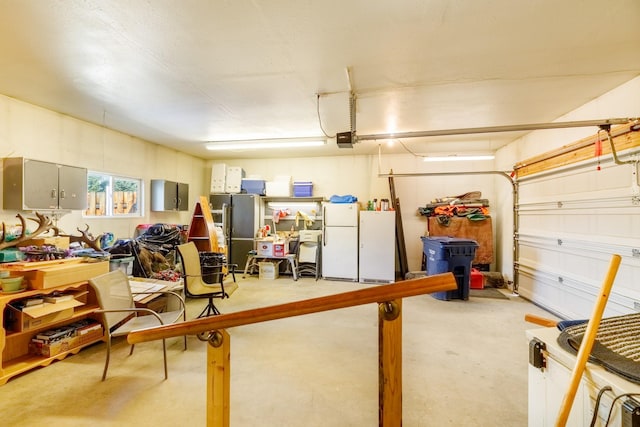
x: 44, y: 224
x: 85, y: 237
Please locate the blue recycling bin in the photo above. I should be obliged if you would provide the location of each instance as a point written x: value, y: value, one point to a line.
x: 450, y: 254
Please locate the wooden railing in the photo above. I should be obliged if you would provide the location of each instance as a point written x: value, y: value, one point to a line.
x: 389, y: 299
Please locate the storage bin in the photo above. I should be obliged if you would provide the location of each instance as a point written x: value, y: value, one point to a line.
x: 278, y: 188
x: 302, y: 189
x: 450, y: 254
x: 122, y: 263
x: 211, y: 266
x: 254, y: 186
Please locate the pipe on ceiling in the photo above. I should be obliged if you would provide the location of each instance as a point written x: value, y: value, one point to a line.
x: 494, y: 129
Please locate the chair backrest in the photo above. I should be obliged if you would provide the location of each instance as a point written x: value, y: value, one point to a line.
x: 192, y: 271
x: 113, y: 293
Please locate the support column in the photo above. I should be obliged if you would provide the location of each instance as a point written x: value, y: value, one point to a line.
x: 390, y: 363
x: 218, y: 378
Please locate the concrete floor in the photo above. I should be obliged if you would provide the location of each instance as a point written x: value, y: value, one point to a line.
x: 464, y: 364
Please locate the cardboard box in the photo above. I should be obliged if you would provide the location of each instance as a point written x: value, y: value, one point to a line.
x: 31, y: 318
x: 269, y: 270
x: 280, y: 248
x: 66, y: 344
x: 57, y: 275
x: 264, y: 247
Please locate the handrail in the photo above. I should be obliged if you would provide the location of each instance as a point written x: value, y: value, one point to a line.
x: 376, y: 294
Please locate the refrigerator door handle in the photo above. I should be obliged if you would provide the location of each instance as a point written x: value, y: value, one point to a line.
x: 324, y: 226
x: 225, y: 225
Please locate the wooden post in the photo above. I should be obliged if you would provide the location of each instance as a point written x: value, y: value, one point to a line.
x: 218, y: 378
x: 390, y: 361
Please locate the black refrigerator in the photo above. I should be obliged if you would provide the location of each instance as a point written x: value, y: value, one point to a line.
x: 239, y: 217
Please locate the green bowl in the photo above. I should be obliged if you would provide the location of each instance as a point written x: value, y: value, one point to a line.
x: 11, y: 284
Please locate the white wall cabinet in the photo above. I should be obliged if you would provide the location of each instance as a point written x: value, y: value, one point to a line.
x: 37, y: 185
x: 169, y: 196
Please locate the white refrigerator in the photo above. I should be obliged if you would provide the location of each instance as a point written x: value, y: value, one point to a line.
x: 340, y: 241
x: 377, y: 246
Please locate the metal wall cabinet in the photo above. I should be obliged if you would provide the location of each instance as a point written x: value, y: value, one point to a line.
x: 34, y: 184
x: 169, y: 196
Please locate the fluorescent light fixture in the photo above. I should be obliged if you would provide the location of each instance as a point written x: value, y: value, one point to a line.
x: 258, y: 144
x: 458, y: 158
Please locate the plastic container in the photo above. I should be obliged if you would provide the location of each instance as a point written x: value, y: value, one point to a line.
x: 123, y: 263
x: 302, y: 189
x: 450, y: 254
x: 11, y: 284
x: 477, y: 279
x: 254, y: 186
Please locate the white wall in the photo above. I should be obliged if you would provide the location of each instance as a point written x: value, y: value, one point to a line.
x: 572, y: 220
x: 37, y: 133
x: 359, y: 176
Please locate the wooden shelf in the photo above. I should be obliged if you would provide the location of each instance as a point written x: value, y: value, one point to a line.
x: 292, y: 199
x: 14, y: 345
x: 27, y: 362
x: 202, y: 230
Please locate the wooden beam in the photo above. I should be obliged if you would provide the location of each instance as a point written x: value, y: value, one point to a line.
x: 623, y: 138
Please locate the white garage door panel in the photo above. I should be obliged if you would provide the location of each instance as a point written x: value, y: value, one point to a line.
x: 570, y: 223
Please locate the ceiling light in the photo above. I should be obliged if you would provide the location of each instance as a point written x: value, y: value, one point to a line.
x: 458, y: 158
x: 257, y: 144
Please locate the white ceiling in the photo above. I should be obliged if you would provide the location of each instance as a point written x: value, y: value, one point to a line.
x: 183, y: 72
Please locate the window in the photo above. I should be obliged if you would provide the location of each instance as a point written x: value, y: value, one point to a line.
x: 112, y: 196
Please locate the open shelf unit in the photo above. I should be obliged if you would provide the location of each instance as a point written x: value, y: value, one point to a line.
x: 202, y: 230
x: 14, y: 344
x: 312, y: 206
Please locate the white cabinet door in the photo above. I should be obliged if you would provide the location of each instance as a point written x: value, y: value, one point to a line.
x: 377, y: 246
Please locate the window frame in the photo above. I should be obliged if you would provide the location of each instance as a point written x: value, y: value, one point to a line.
x: 109, y: 195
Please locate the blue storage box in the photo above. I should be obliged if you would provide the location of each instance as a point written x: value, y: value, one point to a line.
x: 302, y: 189
x: 253, y: 186
x: 450, y: 254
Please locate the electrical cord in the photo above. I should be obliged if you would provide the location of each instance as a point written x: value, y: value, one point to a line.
x: 319, y: 119
x: 613, y: 403
x: 597, y: 405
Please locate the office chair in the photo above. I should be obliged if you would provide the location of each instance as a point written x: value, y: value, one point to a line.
x: 194, y: 284
x: 120, y: 315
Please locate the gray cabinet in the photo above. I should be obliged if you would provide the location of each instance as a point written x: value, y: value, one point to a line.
x: 37, y: 185
x: 169, y: 196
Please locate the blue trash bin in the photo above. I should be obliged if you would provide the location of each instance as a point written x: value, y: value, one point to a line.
x: 450, y: 254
